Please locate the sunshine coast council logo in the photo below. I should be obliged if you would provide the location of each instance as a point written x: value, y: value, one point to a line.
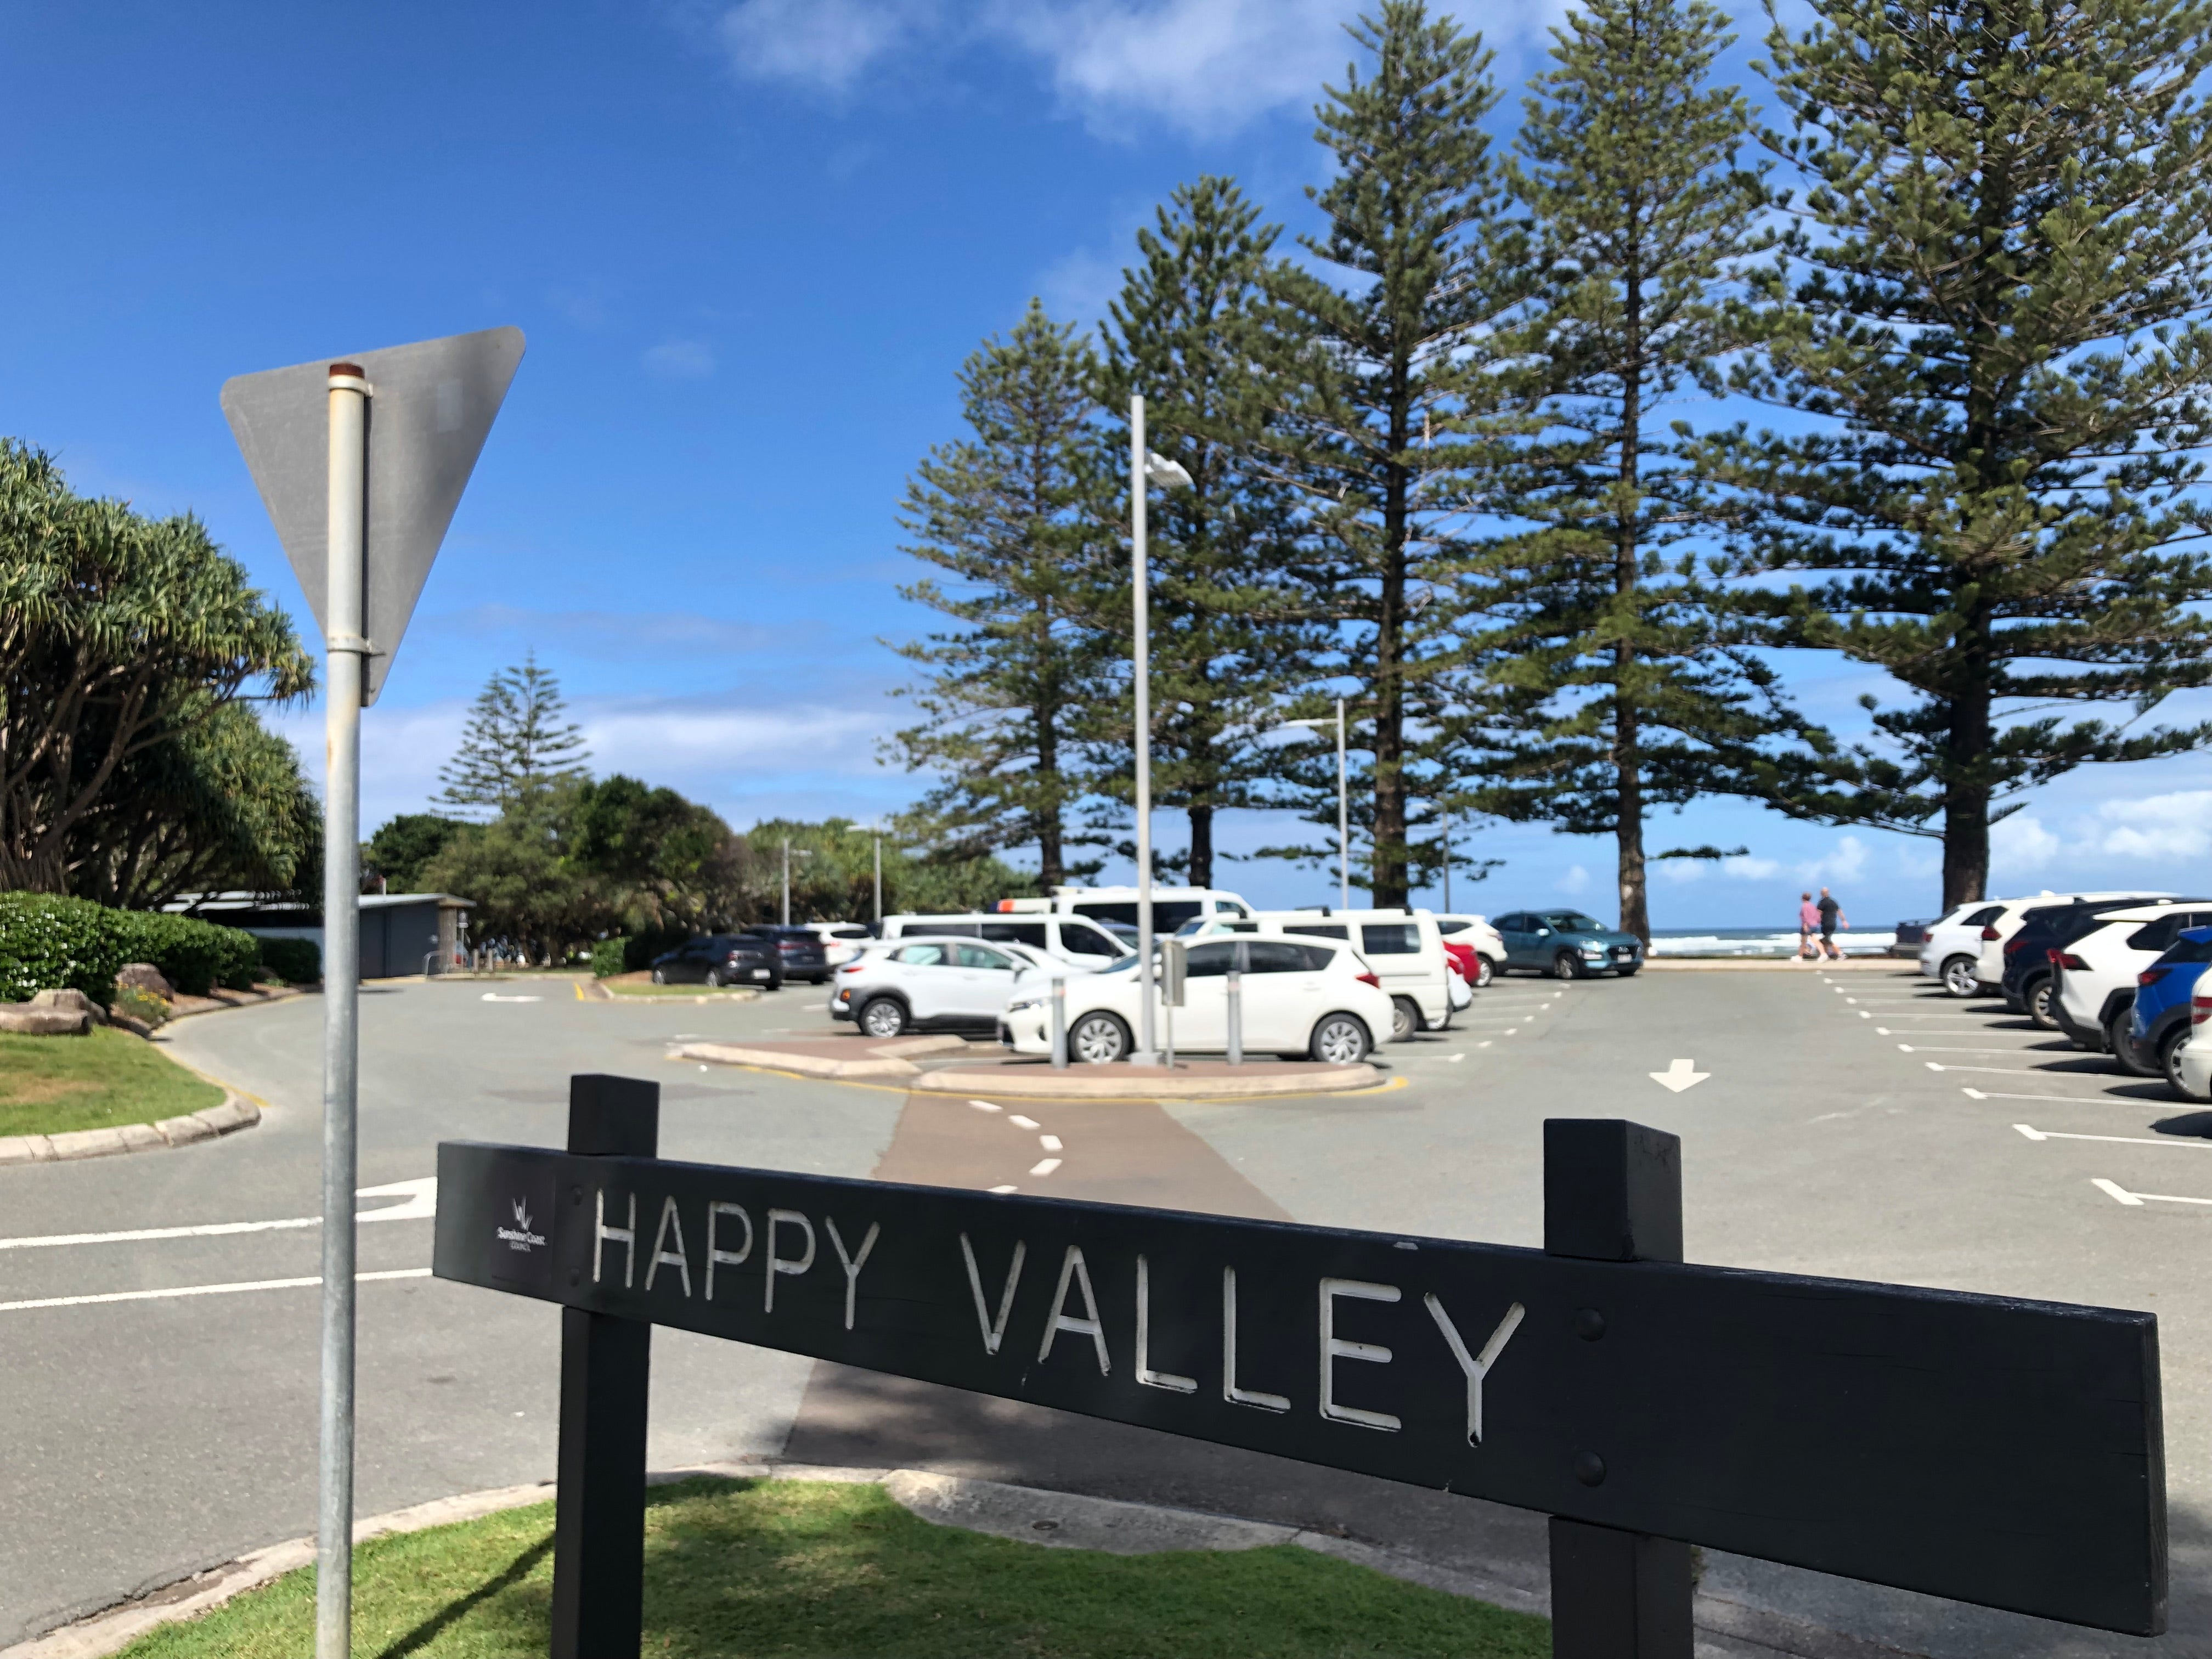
x: 520, y: 1236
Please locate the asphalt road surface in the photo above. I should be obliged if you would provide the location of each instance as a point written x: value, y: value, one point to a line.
x: 160, y: 1404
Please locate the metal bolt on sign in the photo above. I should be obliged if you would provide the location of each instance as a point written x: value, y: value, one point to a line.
x: 1988, y: 1450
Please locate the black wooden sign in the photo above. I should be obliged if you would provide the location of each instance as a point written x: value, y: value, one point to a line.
x: 1995, y: 1451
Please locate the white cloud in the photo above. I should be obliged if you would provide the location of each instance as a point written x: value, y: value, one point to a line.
x: 2178, y: 825
x: 1682, y: 871
x: 1746, y: 868
x: 1575, y: 881
x: 681, y: 360
x: 824, y: 46
x: 1206, y: 66
x: 2021, y: 843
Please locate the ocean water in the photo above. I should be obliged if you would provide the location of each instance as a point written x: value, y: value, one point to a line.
x: 1762, y: 941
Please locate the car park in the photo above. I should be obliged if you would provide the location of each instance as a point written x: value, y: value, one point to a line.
x: 718, y: 959
x: 1476, y: 944
x: 2031, y: 955
x: 1567, y: 944
x: 2165, y: 1017
x: 940, y: 982
x: 1303, y: 998
x: 1074, y: 939
x: 2095, y: 975
x: 1405, y: 948
x: 798, y: 948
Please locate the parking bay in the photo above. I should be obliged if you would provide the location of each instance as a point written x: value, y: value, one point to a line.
x: 1813, y: 1143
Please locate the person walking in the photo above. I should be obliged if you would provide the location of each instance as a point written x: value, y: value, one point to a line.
x: 1832, y: 917
x: 1809, y: 918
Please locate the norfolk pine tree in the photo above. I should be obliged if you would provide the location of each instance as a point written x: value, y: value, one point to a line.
x: 1390, y: 402
x: 515, y: 742
x: 1231, y: 634
x: 2001, y: 321
x: 1019, y: 517
x: 1615, y: 682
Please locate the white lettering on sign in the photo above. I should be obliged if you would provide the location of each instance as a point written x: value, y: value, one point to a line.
x: 994, y: 1330
x: 715, y: 1253
x: 852, y: 1263
x: 662, y: 1256
x: 1230, y: 1391
x: 1071, y: 1266
x: 1146, y: 1374
x: 625, y: 1237
x: 1477, y: 1366
x: 779, y: 1264
x: 1334, y: 1347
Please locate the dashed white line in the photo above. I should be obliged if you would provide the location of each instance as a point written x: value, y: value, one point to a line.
x: 1050, y: 1143
x: 1005, y: 1189
x: 200, y: 1290
x: 984, y: 1106
x: 1021, y: 1122
x: 1046, y: 1167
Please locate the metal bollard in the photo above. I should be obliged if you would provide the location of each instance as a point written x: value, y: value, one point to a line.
x: 1058, y: 1000
x: 1235, y: 1016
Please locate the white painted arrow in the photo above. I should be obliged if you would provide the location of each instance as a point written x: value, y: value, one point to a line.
x: 1679, y: 1076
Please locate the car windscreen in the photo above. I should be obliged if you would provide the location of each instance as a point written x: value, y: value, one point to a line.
x: 1573, y: 921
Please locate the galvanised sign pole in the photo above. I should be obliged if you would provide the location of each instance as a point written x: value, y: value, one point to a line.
x: 1991, y: 1451
x: 361, y: 462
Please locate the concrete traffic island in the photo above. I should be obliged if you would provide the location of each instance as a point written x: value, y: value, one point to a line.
x: 962, y: 1067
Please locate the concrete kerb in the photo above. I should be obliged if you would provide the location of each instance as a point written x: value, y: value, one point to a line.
x: 234, y: 1112
x: 1024, y: 1515
x: 1118, y: 1083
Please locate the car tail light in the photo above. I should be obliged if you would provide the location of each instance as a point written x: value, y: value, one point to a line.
x: 1989, y: 932
x: 1368, y: 979
x: 2015, y: 943
x: 2151, y: 975
x: 2200, y: 1009
x: 852, y: 968
x: 2069, y: 960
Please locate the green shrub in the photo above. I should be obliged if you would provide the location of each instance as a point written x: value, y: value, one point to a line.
x: 607, y: 958
x: 48, y: 943
x: 294, y: 960
x: 193, y: 956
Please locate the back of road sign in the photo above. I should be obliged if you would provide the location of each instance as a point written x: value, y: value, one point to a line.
x: 431, y: 407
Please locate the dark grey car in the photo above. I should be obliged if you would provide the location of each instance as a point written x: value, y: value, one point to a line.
x: 799, y: 948
x: 717, y: 959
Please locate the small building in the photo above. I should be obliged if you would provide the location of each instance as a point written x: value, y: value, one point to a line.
x: 400, y: 933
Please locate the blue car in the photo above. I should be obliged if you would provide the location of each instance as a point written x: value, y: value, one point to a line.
x: 1566, y: 945
x: 2161, y: 1020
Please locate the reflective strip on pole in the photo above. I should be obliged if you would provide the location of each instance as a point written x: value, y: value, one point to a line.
x: 345, y: 659
x: 1139, y: 585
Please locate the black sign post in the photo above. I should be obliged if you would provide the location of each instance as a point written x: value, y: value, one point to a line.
x: 1995, y: 1451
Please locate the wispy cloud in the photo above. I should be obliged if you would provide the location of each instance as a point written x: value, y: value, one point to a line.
x: 680, y: 359
x: 822, y: 45
x: 1577, y: 880
x: 2173, y: 826
x: 2020, y: 843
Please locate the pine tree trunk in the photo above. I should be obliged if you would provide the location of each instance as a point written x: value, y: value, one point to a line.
x: 1387, y: 882
x: 1627, y: 724
x: 1051, y: 856
x: 1201, y: 846
x: 1635, y: 912
x: 1966, y: 801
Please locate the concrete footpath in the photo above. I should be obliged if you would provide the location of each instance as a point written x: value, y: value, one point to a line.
x: 954, y: 1065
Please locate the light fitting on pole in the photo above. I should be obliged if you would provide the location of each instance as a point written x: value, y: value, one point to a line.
x: 1168, y: 475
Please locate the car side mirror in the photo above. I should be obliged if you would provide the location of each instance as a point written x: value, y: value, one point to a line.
x: 1543, y: 932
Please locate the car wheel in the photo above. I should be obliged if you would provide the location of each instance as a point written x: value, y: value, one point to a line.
x: 2037, y: 1005
x: 776, y: 979
x: 2122, y: 1046
x: 1098, y: 1039
x: 1484, y: 971
x: 883, y: 1017
x: 714, y: 979
x: 661, y: 976
x: 1405, y: 1018
x: 1340, y: 1039
x: 1961, y: 976
x: 1566, y: 965
x: 2169, y: 1059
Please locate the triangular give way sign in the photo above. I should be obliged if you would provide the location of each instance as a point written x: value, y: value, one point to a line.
x: 430, y: 409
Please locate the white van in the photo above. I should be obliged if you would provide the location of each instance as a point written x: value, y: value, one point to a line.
x: 1070, y: 939
x: 1404, y: 947
x: 1117, y: 906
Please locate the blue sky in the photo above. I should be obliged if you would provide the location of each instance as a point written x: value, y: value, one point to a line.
x: 750, y: 245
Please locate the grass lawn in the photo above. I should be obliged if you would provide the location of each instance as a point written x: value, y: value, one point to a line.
x: 742, y: 1568
x: 51, y: 1084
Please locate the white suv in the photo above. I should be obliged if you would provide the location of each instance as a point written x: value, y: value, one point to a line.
x: 1072, y: 939
x: 950, y: 983
x: 2096, y: 973
x: 1952, y: 952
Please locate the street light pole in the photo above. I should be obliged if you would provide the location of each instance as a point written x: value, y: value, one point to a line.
x: 1343, y: 818
x: 1141, y: 620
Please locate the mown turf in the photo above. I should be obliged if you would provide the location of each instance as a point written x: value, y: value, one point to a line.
x: 787, y: 1567
x: 49, y: 1085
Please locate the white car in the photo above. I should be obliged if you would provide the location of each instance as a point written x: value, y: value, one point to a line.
x: 2195, y: 1061
x: 944, y: 983
x: 2095, y: 993
x: 1405, y: 948
x: 1312, y: 998
x: 1476, y: 932
x: 1072, y: 938
x: 1952, y: 952
x: 1988, y: 967
x: 841, y: 941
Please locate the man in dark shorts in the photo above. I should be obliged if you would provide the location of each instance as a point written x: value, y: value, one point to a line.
x: 1832, y: 917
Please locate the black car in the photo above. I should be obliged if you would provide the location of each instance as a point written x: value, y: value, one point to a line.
x: 716, y: 959
x: 799, y: 948
x: 2030, y: 979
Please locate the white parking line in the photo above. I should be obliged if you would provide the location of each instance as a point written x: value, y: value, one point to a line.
x: 1938, y: 1048
x: 2056, y: 1100
x: 2182, y: 1143
x: 422, y: 1198
x: 2000, y: 1070
x: 2119, y: 1194
x: 201, y: 1289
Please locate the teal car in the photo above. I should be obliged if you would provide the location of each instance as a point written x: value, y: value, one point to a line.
x: 1566, y: 945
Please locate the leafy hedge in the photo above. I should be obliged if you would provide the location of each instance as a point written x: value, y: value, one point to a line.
x: 610, y: 957
x: 607, y: 958
x: 294, y: 960
x: 48, y: 942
